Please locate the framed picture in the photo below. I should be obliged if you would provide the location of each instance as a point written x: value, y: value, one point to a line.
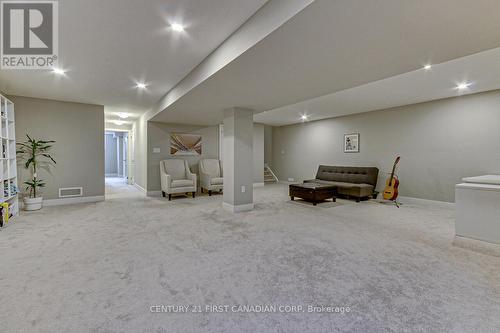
x: 185, y: 144
x: 351, y: 143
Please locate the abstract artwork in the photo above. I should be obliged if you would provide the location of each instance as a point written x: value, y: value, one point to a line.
x: 185, y: 144
x: 351, y: 143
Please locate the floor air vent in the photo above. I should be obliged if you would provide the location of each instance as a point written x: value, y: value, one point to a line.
x: 69, y: 192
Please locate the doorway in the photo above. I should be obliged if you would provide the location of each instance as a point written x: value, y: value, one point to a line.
x: 116, y: 156
x: 119, y: 164
x: 117, y: 151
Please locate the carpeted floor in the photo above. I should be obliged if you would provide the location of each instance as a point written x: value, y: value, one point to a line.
x: 103, y: 267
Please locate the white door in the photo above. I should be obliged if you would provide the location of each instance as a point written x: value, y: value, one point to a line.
x: 221, y: 141
x: 125, y: 157
x: 131, y: 159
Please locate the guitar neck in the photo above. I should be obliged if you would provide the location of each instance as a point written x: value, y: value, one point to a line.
x: 394, y: 168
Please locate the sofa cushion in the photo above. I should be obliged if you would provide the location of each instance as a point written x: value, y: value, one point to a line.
x: 175, y: 168
x: 216, y: 181
x: 182, y: 183
x: 356, y: 191
x: 351, y: 189
x: 346, y: 174
x: 211, y: 167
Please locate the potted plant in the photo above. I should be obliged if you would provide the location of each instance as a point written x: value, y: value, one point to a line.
x: 35, y: 153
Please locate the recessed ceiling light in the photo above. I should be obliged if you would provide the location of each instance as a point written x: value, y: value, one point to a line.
x: 119, y: 122
x: 58, y: 71
x: 304, y: 117
x: 122, y: 115
x: 177, y: 27
x: 427, y: 67
x: 463, y: 85
x: 141, y: 85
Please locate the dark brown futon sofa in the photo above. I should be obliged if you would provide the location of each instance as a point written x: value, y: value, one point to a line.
x: 356, y: 182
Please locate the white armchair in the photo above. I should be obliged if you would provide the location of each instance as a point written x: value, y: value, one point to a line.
x: 176, y: 177
x: 211, y: 178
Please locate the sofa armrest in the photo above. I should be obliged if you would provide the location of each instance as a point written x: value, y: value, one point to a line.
x: 191, y: 176
x: 204, y: 179
x: 166, y: 180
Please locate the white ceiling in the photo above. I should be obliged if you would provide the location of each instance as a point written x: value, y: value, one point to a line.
x: 331, y: 59
x: 106, y: 46
x: 332, y: 46
x: 481, y: 70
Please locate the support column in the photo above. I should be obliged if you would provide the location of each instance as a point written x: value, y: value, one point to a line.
x: 238, y: 159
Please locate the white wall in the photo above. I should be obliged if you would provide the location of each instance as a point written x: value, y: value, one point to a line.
x: 140, y: 131
x: 439, y: 142
x: 258, y: 153
x: 119, y: 154
x: 268, y: 145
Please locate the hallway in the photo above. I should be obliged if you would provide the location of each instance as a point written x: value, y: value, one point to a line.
x: 117, y: 187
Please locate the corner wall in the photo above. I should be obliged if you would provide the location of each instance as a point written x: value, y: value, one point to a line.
x: 78, y: 130
x: 159, y: 137
x: 110, y: 160
x: 258, y: 153
x: 440, y: 142
x: 140, y: 164
x: 268, y: 145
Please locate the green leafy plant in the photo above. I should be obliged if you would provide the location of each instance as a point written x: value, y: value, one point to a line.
x: 36, y: 153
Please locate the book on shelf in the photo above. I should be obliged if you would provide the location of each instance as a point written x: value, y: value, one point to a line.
x: 4, y: 214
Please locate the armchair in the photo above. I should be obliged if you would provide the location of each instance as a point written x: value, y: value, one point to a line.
x: 211, y: 175
x: 176, y: 177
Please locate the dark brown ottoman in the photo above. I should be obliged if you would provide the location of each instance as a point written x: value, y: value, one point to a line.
x: 313, y: 192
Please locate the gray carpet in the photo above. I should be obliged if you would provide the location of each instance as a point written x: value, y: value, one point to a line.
x: 100, y: 268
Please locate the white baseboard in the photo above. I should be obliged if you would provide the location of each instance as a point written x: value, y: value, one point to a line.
x: 238, y: 208
x: 158, y: 193
x: 72, y: 201
x: 402, y: 199
x: 140, y: 188
x: 419, y: 201
x: 67, y: 201
x: 477, y: 246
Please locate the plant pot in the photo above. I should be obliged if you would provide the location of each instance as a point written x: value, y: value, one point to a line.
x: 33, y: 203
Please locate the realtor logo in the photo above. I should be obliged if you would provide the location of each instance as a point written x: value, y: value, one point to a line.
x: 29, y: 31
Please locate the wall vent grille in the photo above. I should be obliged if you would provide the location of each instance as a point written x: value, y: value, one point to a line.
x: 70, y: 192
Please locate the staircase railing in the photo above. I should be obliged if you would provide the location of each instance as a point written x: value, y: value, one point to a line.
x: 266, y: 166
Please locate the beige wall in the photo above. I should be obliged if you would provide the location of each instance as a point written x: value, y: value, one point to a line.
x: 158, y: 136
x: 439, y: 142
x: 78, y: 130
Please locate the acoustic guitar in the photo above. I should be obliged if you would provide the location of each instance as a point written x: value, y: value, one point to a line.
x: 392, y: 184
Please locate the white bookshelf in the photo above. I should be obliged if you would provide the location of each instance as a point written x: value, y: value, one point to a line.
x: 8, y: 164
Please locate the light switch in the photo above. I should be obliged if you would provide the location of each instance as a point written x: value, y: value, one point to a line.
x: 156, y: 150
x: 243, y: 189
x: 282, y: 152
